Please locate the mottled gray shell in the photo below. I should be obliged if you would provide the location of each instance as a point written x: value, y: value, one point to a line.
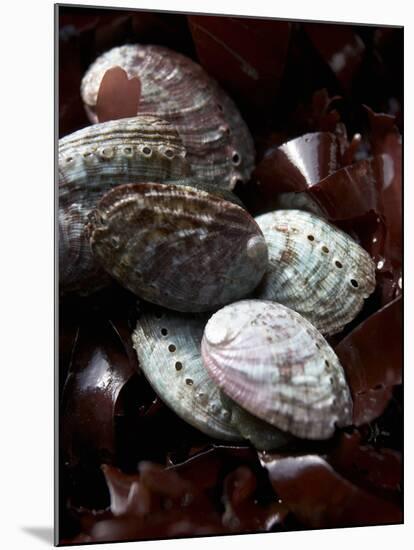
x: 219, y: 146
x: 94, y: 160
x: 315, y: 269
x: 168, y: 349
x: 178, y: 247
x: 278, y: 367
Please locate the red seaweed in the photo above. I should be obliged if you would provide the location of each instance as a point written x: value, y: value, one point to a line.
x: 130, y: 469
x: 118, y: 96
x: 246, y: 56
x: 372, y: 358
x: 320, y: 497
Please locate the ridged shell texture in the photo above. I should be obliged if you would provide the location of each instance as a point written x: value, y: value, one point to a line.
x: 218, y: 143
x: 97, y: 158
x: 277, y: 366
x: 178, y: 247
x: 315, y: 269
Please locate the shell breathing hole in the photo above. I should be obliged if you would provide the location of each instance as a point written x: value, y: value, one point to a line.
x: 164, y: 331
x: 338, y: 264
x: 178, y: 365
x: 235, y: 159
x: 69, y: 159
x: 327, y: 363
x: 189, y: 382
x: 354, y: 283
x: 128, y: 150
x: 325, y: 249
x: 311, y: 238
x: 107, y: 152
x: 171, y: 348
x: 169, y: 153
x: 147, y: 151
x: 115, y: 242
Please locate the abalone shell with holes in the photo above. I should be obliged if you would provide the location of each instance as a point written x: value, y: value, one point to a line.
x: 315, y: 269
x: 178, y: 247
x: 92, y: 161
x: 219, y: 146
x: 168, y: 349
x: 277, y: 366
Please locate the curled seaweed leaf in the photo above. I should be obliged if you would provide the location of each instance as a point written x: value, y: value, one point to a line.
x: 372, y: 359
x: 99, y: 371
x: 299, y: 163
x: 320, y: 497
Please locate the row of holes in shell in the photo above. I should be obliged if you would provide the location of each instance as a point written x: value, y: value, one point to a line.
x: 236, y: 156
x: 337, y: 263
x: 178, y: 364
x: 107, y: 153
x: 214, y: 407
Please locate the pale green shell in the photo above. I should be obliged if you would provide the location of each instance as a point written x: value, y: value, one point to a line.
x: 315, y: 269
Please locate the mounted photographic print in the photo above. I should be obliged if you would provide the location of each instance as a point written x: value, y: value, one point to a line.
x: 229, y: 232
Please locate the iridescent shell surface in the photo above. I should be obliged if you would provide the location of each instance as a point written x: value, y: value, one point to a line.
x: 178, y: 247
x: 315, y: 269
x: 97, y: 158
x: 218, y: 143
x: 168, y: 349
x: 278, y: 367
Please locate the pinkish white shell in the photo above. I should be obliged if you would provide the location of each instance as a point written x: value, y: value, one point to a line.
x: 315, y: 269
x: 219, y: 146
x: 176, y: 246
x: 277, y: 366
